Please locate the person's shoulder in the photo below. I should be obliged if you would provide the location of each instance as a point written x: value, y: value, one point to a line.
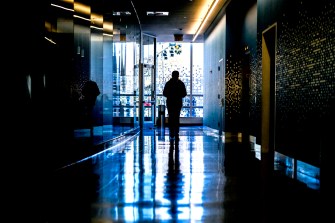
x: 182, y: 82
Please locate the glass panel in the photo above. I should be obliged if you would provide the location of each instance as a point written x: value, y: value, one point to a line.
x: 96, y: 67
x: 186, y: 101
x: 123, y: 81
x: 185, y: 112
x: 149, y: 78
x: 107, y: 94
x: 197, y: 69
x: 136, y: 94
x: 197, y: 80
x: 148, y: 50
x: 197, y: 112
x: 172, y: 56
x: 137, y: 58
x: 176, y: 56
x: 197, y: 101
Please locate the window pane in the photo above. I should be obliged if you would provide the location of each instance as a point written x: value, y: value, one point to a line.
x: 197, y: 69
x: 177, y: 56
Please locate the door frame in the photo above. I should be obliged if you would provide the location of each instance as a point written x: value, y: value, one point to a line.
x: 269, y: 48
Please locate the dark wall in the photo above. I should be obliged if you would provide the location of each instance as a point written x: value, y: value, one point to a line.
x: 241, y: 49
x: 214, y: 70
x: 304, y: 74
x: 47, y: 73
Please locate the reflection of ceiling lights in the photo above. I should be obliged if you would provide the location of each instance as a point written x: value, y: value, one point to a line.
x: 126, y: 13
x: 157, y: 13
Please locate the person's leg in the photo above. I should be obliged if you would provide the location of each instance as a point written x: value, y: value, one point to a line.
x: 173, y: 124
x: 177, y: 124
x: 170, y: 119
x: 173, y: 118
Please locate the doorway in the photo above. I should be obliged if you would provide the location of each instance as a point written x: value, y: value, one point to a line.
x: 269, y: 43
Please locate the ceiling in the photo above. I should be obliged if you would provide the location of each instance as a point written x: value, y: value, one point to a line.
x: 185, y: 16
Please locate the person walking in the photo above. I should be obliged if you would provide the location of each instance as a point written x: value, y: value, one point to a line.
x: 174, y: 91
x: 90, y: 93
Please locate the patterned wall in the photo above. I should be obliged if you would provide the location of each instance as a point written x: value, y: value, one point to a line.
x: 255, y: 96
x: 234, y: 76
x: 241, y: 45
x: 306, y: 53
x: 305, y: 78
x: 233, y: 88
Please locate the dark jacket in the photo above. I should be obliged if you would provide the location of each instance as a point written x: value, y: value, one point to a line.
x: 174, y: 91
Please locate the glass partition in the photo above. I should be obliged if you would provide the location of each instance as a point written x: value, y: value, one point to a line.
x: 124, y: 84
x: 121, y: 75
x: 85, y: 44
x: 129, y: 68
x: 149, y: 77
x: 96, y: 63
x: 196, y: 101
x: 187, y: 58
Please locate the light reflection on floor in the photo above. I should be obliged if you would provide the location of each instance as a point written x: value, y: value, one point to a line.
x: 200, y: 178
x: 161, y: 182
x: 301, y: 171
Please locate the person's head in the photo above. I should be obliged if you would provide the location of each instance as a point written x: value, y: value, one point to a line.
x: 175, y: 74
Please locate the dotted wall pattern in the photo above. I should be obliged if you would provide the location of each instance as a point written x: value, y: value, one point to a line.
x: 255, y: 93
x: 233, y: 91
x: 305, y: 79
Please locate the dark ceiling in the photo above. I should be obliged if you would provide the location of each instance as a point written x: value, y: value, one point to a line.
x: 184, y: 17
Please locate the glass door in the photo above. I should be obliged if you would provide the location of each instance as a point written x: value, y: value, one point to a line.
x: 148, y: 81
x: 137, y: 81
x: 149, y: 103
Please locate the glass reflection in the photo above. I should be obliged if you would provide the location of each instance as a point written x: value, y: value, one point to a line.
x: 174, y: 184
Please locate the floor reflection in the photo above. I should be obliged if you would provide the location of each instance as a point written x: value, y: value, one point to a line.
x: 174, y: 185
x: 148, y: 178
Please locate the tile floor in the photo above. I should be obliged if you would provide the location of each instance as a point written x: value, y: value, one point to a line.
x: 200, y: 178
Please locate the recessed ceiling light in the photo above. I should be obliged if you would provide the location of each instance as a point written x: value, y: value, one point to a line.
x: 125, y: 13
x: 150, y: 13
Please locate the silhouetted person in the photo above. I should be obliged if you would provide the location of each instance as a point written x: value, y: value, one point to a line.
x: 90, y: 92
x: 174, y: 91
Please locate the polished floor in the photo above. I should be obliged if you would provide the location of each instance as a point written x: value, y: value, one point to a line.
x: 202, y: 177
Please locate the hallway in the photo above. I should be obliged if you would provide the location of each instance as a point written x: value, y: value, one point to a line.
x: 200, y: 178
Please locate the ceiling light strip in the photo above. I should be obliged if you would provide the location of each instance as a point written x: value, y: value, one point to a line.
x: 209, y: 12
